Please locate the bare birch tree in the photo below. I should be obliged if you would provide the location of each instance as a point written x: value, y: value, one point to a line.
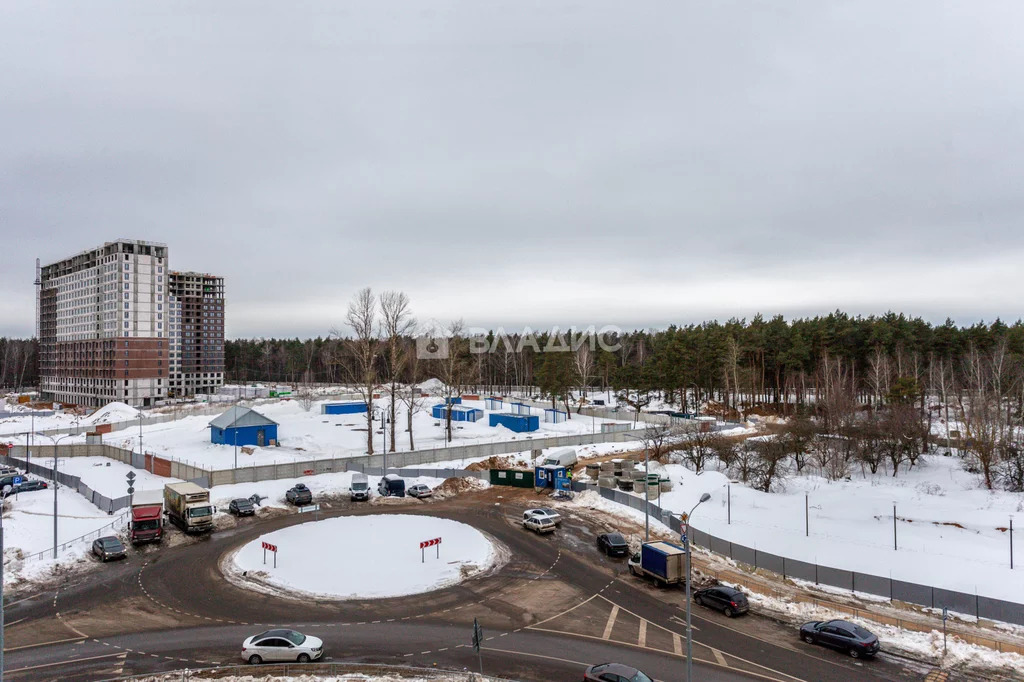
x: 396, y: 323
x: 362, y: 318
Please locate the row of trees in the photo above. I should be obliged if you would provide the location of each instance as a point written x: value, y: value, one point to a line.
x: 19, y: 365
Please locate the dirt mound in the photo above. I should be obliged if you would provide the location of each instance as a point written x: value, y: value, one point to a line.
x: 495, y: 462
x: 453, y: 486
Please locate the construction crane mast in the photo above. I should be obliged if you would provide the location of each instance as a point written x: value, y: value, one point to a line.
x: 39, y: 284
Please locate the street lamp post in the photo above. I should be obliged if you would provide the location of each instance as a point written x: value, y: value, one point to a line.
x: 689, y: 628
x: 3, y: 499
x: 56, y: 450
x: 647, y: 497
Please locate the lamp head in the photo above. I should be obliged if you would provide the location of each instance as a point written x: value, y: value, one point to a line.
x: 705, y: 497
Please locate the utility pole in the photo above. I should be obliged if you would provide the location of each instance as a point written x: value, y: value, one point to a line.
x: 894, y: 547
x: 807, y: 515
x: 3, y: 499
x: 647, y: 497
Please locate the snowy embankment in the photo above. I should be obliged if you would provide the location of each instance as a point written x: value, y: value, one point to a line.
x: 949, y: 533
x: 364, y: 557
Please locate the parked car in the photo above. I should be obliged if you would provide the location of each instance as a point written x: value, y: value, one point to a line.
x: 9, y: 471
x: 613, y: 544
x: 109, y: 548
x: 359, y: 489
x: 539, y: 524
x: 728, y: 600
x: 27, y: 486
x: 544, y: 513
x: 299, y: 495
x: 841, y: 635
x: 419, y: 490
x: 10, y: 480
x: 241, y: 507
x: 614, y: 672
x: 282, y: 645
x: 391, y: 485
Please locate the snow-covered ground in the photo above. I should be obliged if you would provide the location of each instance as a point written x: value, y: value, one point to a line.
x: 950, y: 532
x: 309, y: 435
x: 106, y: 476
x: 349, y: 677
x: 366, y: 557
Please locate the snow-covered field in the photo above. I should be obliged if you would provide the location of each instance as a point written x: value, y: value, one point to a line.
x: 106, y: 476
x: 365, y: 557
x: 309, y: 435
x: 950, y: 533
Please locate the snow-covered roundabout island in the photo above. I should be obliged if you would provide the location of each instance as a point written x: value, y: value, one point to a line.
x: 364, y: 557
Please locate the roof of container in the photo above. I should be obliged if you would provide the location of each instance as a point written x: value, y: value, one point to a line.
x: 238, y: 416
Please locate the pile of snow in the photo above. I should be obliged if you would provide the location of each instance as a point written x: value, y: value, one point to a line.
x: 111, y: 413
x: 363, y: 557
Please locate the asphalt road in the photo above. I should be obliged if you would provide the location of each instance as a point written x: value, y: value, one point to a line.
x: 555, y: 607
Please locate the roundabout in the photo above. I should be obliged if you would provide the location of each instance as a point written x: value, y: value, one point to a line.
x: 549, y: 606
x: 363, y: 557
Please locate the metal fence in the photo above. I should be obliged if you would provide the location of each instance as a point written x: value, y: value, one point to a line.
x: 116, y: 525
x: 898, y: 590
x: 102, y: 502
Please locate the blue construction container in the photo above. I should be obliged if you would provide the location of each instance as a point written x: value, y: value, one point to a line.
x: 454, y: 401
x: 243, y: 426
x: 520, y: 423
x: 343, y: 408
x: 459, y: 413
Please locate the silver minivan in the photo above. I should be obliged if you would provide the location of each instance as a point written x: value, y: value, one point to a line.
x: 359, y: 489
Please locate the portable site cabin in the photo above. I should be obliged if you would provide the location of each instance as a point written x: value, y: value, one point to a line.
x: 456, y: 400
x: 520, y: 408
x: 459, y: 413
x: 494, y: 403
x: 520, y: 423
x: 552, y: 476
x: 555, y: 416
x: 355, y: 407
x: 243, y: 426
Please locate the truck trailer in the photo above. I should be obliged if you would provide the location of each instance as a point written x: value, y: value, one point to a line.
x: 665, y: 562
x: 188, y: 507
x: 147, y: 523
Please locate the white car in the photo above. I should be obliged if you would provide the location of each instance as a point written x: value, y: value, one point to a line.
x: 543, y: 513
x: 419, y: 490
x: 282, y: 645
x: 539, y: 525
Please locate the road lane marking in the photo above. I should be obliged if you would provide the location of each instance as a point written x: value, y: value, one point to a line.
x: 56, y: 641
x: 642, y: 638
x: 74, y: 660
x: 677, y: 644
x: 720, y: 658
x: 611, y: 622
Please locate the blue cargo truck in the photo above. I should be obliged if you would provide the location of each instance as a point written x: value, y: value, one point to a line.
x: 665, y: 562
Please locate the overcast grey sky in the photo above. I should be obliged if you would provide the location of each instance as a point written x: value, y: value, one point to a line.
x: 525, y: 163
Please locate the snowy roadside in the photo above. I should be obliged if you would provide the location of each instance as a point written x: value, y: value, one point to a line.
x: 922, y: 646
x: 417, y: 676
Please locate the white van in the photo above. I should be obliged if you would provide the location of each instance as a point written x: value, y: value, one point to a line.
x: 359, y: 489
x: 565, y: 457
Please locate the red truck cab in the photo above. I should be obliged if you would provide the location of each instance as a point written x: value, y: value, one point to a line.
x: 147, y: 524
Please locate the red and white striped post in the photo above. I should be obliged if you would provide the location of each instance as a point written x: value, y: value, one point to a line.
x: 436, y: 542
x: 272, y: 548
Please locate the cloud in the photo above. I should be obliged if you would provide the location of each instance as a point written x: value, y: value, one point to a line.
x: 637, y: 164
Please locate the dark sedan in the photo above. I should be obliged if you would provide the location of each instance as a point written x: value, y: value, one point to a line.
x: 841, y: 635
x: 27, y: 486
x: 614, y: 672
x: 612, y: 544
x: 241, y: 507
x: 109, y: 548
x: 728, y: 600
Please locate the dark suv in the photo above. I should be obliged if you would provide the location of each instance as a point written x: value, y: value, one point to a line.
x: 728, y: 600
x: 841, y: 635
x: 299, y: 495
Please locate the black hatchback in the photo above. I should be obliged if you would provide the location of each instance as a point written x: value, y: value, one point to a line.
x: 728, y: 600
x: 842, y: 635
x: 241, y: 507
x: 612, y: 544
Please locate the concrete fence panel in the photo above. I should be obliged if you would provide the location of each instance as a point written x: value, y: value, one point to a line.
x: 801, y: 570
x: 956, y: 601
x: 997, y: 609
x: 836, y: 577
x: 912, y: 593
x: 743, y: 554
x: 719, y: 546
x: 873, y: 584
x: 772, y: 562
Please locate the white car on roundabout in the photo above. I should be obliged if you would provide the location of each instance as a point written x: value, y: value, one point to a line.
x: 282, y: 645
